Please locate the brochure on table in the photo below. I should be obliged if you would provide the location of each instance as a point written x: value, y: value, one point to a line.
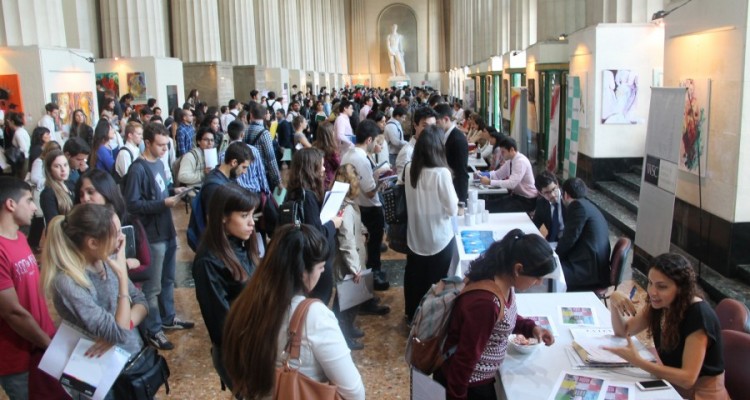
x: 65, y: 360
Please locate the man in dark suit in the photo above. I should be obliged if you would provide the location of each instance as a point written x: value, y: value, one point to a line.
x: 584, y: 246
x: 456, y: 150
x: 549, y: 204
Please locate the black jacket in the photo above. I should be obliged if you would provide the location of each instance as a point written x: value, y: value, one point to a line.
x: 215, y: 287
x: 457, y: 155
x: 147, y: 204
x: 543, y: 215
x: 584, y: 247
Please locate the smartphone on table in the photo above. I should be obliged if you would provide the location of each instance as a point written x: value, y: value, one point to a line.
x: 656, y: 384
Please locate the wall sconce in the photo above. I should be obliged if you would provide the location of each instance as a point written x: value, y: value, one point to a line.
x: 89, y: 59
x: 658, y: 17
x: 562, y: 37
x: 514, y: 53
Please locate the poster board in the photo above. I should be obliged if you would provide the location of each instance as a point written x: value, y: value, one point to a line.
x: 572, y: 127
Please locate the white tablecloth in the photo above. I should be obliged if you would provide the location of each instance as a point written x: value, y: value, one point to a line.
x: 476, y: 162
x: 532, y: 376
x: 500, y: 225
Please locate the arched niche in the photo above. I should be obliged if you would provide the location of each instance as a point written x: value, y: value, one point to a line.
x: 403, y: 16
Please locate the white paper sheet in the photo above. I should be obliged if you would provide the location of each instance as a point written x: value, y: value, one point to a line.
x: 425, y: 388
x: 61, y: 348
x: 617, y: 391
x: 333, y: 201
x: 211, y: 157
x: 351, y: 294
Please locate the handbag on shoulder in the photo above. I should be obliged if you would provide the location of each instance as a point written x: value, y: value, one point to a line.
x: 290, y: 383
x: 143, y: 376
x: 394, y: 202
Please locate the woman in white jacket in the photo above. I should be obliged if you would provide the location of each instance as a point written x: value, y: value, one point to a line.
x: 431, y: 201
x: 255, y: 332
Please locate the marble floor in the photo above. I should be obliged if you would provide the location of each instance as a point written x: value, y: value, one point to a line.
x: 381, y: 363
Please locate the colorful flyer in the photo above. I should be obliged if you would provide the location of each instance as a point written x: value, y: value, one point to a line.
x: 617, y: 391
x: 544, y: 322
x: 570, y: 386
x: 476, y: 242
x: 578, y: 316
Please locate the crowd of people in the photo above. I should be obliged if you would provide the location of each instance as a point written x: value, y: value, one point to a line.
x: 95, y: 202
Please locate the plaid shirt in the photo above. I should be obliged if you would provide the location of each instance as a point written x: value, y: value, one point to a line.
x: 254, y: 179
x: 265, y: 146
x: 185, y: 138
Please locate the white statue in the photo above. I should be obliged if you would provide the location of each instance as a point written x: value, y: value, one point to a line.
x: 396, y: 53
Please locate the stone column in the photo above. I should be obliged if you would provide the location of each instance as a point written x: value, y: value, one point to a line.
x: 523, y: 23
x: 32, y: 22
x: 237, y: 29
x: 267, y: 25
x: 132, y: 28
x: 609, y: 11
x: 289, y: 34
x: 80, y: 25
x: 195, y: 29
x: 319, y: 42
x: 306, y: 34
x: 327, y: 33
x: 360, y: 52
x: 339, y: 38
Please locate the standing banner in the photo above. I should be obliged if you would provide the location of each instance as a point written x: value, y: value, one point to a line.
x: 469, y: 95
x: 653, y: 231
x: 572, y: 125
x: 518, y: 119
x: 553, y: 136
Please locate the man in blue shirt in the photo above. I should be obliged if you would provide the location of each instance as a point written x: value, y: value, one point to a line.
x: 185, y: 132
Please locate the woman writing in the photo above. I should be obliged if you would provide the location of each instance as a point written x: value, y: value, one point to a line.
x: 98, y: 187
x: 287, y: 274
x: 481, y: 322
x: 306, y: 185
x: 57, y: 196
x: 431, y: 201
x: 91, y: 289
x: 226, y: 258
x: 685, y: 329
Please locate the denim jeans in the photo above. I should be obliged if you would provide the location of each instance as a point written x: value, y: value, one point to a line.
x: 159, y: 287
x: 16, y: 386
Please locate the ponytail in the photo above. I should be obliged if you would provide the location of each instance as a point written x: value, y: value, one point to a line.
x: 517, y: 247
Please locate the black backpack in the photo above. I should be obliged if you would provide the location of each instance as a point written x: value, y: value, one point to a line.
x: 119, y: 179
x: 292, y: 211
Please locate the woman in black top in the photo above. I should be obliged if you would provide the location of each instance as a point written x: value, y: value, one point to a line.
x: 57, y: 196
x: 226, y: 257
x: 685, y: 329
x: 306, y: 174
x: 39, y: 137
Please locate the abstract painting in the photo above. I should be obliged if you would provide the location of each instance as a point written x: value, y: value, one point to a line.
x: 10, y: 94
x: 137, y: 85
x: 619, y: 96
x: 695, y: 126
x: 506, y: 93
x: 71, y: 101
x: 109, y: 81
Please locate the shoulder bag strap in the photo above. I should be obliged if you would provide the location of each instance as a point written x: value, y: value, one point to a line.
x: 294, y: 341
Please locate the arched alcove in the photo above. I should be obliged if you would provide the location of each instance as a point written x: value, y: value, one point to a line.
x: 403, y: 16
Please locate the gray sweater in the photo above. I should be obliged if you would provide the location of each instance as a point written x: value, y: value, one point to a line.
x: 93, y: 309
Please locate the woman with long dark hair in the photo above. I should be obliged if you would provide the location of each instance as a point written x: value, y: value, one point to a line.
x: 481, y: 322
x: 98, y: 187
x: 39, y: 137
x: 685, y: 329
x: 290, y: 269
x: 102, y: 156
x: 57, y: 196
x: 326, y: 141
x: 79, y: 127
x: 226, y: 258
x: 431, y: 202
x: 306, y: 185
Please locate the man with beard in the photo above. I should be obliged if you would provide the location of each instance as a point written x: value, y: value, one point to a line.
x: 237, y: 159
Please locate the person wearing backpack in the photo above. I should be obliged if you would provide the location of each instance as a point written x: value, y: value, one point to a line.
x: 480, y: 323
x: 258, y: 136
x: 192, y: 168
x: 130, y: 151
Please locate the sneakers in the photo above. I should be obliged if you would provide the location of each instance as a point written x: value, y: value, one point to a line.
x: 160, y: 341
x: 178, y: 324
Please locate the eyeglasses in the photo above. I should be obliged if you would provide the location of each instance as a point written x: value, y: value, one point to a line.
x: 207, y: 140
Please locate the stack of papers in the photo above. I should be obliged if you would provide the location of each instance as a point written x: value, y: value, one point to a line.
x: 589, y: 344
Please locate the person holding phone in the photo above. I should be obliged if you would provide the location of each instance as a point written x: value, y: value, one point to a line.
x: 87, y: 277
x: 685, y: 329
x: 98, y: 187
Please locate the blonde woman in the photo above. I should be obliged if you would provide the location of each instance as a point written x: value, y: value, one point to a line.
x: 87, y: 277
x: 36, y: 180
x: 57, y: 196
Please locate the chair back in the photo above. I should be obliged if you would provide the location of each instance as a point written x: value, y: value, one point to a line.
x: 736, y: 354
x: 618, y: 260
x: 733, y: 315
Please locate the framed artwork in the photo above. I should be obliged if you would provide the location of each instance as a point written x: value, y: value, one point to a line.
x: 137, y: 85
x: 71, y: 101
x: 531, y: 86
x: 10, y: 94
x: 506, y: 93
x: 619, y: 96
x: 109, y: 81
x: 171, y: 98
x: 694, y: 138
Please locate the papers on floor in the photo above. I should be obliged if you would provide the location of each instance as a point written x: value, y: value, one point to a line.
x: 425, y: 388
x: 570, y: 386
x: 351, y: 294
x: 589, y: 344
x: 65, y: 360
x: 333, y: 201
x: 211, y: 157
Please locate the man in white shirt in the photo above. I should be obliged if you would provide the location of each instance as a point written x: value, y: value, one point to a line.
x: 369, y: 204
x: 422, y: 117
x: 342, y: 126
x: 517, y: 176
x: 131, y: 150
x: 272, y: 103
x: 366, y: 108
x: 48, y: 121
x: 233, y: 111
x: 394, y: 133
x: 293, y: 111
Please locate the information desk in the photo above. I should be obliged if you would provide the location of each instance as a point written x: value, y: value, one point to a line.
x: 533, y: 376
x: 500, y: 224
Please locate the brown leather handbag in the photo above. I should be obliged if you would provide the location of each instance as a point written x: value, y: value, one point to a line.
x: 290, y: 383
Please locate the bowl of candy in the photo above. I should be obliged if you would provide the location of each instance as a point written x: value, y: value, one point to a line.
x: 521, y: 344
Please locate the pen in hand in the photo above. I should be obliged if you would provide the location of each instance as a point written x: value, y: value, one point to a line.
x: 632, y: 292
